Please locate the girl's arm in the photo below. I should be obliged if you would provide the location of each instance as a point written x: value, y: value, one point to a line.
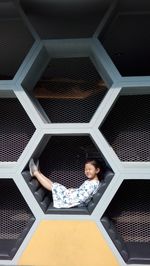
x: 86, y: 191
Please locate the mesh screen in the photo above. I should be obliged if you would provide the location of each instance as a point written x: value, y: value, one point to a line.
x: 16, y: 129
x: 127, y: 128
x: 63, y: 159
x: 15, y: 43
x: 14, y: 212
x: 70, y: 90
x: 130, y: 211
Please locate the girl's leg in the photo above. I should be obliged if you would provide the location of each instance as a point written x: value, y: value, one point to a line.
x: 34, y: 171
x: 43, y: 180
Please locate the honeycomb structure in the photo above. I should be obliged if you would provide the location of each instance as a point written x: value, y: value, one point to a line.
x: 67, y: 95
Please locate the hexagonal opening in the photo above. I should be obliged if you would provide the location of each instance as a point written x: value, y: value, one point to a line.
x: 16, y: 129
x: 126, y: 38
x: 70, y: 90
x: 62, y: 159
x: 15, y: 41
x: 16, y: 219
x: 127, y: 221
x: 71, y: 19
x: 127, y: 127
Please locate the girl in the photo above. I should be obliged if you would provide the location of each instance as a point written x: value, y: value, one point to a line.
x: 67, y: 198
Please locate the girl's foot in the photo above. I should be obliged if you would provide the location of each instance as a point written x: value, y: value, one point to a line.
x: 33, y: 167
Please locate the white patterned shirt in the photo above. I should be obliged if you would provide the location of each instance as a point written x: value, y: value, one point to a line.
x: 67, y: 198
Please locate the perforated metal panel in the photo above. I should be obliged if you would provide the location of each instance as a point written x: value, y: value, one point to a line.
x: 16, y: 129
x: 14, y: 211
x: 64, y: 157
x: 130, y: 211
x: 70, y: 90
x: 127, y: 128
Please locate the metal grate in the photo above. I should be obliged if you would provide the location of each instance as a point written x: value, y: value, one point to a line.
x: 14, y: 212
x: 16, y: 129
x: 15, y: 43
x: 64, y: 156
x: 70, y: 90
x: 127, y: 128
x: 130, y: 211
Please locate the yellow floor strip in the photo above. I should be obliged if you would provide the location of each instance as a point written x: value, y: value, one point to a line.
x: 68, y: 243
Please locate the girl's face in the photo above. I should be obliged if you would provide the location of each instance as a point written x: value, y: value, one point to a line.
x: 90, y: 171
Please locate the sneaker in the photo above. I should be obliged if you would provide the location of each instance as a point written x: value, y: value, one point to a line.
x: 33, y: 167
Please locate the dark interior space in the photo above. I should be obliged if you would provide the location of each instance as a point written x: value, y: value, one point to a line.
x: 64, y: 156
x: 126, y: 39
x: 16, y: 218
x: 127, y: 220
x: 125, y: 36
x: 16, y: 129
x: 127, y: 128
x: 65, y: 19
x: 15, y: 41
x: 70, y: 90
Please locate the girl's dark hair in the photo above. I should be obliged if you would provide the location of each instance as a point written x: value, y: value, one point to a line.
x: 96, y: 163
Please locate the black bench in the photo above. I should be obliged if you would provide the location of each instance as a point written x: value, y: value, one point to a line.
x: 9, y: 247
x: 127, y: 221
x: 131, y: 252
